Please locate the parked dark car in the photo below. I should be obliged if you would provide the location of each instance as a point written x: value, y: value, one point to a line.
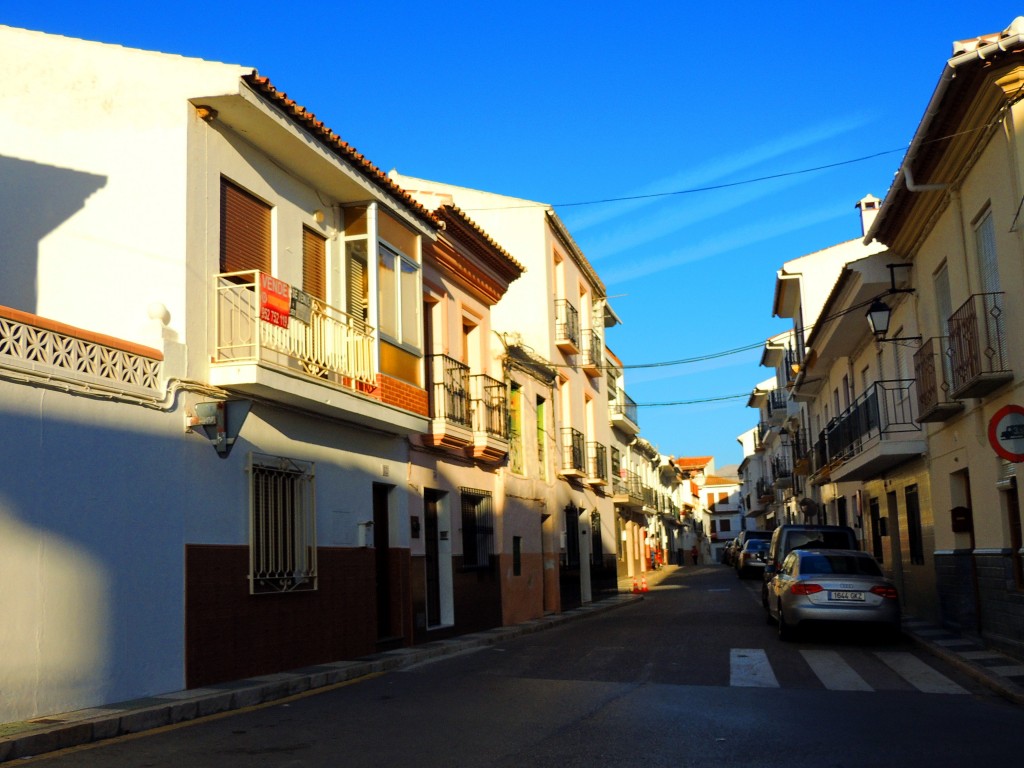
x: 831, y: 585
x: 750, y: 560
x: 731, y: 552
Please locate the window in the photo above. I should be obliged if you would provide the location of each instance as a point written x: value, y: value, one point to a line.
x: 916, y: 541
x: 515, y: 429
x: 314, y: 264
x: 282, y: 526
x: 398, y: 300
x: 477, y: 528
x: 542, y: 438
x: 985, y: 238
x: 245, y: 242
x: 725, y: 526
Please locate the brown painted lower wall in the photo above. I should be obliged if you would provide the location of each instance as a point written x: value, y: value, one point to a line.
x: 230, y: 634
x: 476, y: 598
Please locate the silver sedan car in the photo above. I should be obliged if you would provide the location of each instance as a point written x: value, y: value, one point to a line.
x: 831, y: 585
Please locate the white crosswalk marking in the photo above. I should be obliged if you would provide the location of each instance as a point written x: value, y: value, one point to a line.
x: 917, y: 673
x: 834, y: 673
x: 749, y: 668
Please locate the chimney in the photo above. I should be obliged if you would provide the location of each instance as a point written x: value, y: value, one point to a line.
x: 868, y: 205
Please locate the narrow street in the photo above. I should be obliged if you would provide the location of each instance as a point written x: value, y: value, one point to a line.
x: 690, y: 676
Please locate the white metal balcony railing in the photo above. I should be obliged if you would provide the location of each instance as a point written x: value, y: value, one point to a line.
x: 328, y: 344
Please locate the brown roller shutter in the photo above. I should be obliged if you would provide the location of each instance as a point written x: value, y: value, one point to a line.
x: 314, y: 264
x: 244, y: 230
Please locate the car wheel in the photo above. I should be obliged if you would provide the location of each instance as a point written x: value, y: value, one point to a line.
x: 785, y: 630
x: 764, y: 596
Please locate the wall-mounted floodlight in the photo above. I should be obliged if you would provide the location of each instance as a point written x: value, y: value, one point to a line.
x: 219, y: 421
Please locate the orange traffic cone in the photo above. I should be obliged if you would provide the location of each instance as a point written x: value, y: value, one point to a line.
x: 636, y: 589
x: 643, y: 583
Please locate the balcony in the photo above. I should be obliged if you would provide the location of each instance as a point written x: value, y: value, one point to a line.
x: 627, y: 490
x: 931, y: 371
x: 622, y: 414
x: 450, y: 422
x: 776, y: 403
x: 567, y: 327
x: 650, y: 498
x: 792, y: 363
x: 801, y: 452
x: 877, y: 432
x: 573, y: 453
x: 319, y: 359
x: 591, y: 354
x: 597, y: 464
x: 759, y: 436
x: 782, y: 470
x: 977, y: 347
x: 490, y: 418
x: 765, y: 491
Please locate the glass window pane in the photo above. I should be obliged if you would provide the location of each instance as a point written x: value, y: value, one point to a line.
x: 387, y: 309
x: 410, y: 304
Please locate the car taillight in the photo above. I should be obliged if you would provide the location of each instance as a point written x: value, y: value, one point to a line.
x: 805, y: 589
x: 884, y: 591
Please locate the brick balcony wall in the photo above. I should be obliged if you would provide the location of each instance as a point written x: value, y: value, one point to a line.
x: 400, y: 394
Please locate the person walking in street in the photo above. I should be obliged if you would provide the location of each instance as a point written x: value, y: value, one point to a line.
x: 694, y: 553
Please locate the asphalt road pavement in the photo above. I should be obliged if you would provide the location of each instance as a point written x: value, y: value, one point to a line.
x: 690, y: 676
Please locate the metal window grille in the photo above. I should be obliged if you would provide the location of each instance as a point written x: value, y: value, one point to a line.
x: 282, y: 525
x: 477, y: 528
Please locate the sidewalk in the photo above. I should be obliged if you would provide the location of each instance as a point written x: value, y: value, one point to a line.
x: 997, y: 671
x: 54, y: 732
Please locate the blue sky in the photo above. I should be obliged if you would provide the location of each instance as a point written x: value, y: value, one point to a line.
x: 572, y: 103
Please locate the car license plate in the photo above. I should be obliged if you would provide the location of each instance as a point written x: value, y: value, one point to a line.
x: 846, y: 596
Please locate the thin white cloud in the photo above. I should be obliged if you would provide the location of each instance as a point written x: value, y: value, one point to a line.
x: 721, y: 242
x: 653, y: 225
x: 713, y: 170
x: 641, y: 376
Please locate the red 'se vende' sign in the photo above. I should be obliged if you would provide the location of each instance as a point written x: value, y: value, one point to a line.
x: 275, y: 300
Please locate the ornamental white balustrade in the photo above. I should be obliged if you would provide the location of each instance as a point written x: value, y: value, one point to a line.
x: 27, y: 346
x: 328, y: 345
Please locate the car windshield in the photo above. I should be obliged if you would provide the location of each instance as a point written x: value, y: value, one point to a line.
x: 758, y: 545
x: 821, y: 539
x: 847, y: 565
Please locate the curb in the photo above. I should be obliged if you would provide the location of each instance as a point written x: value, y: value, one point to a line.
x: 981, y: 673
x: 51, y: 733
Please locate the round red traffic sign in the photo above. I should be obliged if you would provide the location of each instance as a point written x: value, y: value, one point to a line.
x: 1006, y: 432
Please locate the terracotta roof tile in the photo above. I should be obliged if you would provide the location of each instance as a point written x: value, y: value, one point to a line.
x: 334, y: 142
x: 447, y: 212
x: 693, y: 462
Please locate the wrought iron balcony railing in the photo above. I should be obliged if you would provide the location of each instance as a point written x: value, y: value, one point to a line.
x: 623, y: 413
x: 449, y: 393
x: 490, y: 406
x: 932, y: 368
x: 597, y: 463
x: 977, y: 347
x: 573, y: 452
x: 567, y: 326
x: 627, y: 488
x: 776, y: 403
x: 886, y: 408
x: 591, y: 353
